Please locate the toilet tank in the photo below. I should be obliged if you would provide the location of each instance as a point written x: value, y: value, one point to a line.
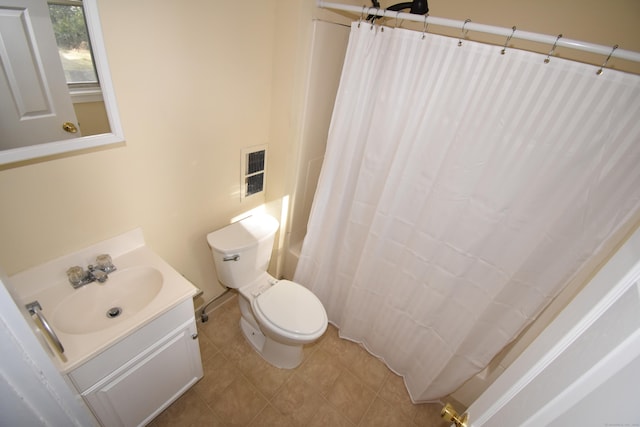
x: 242, y: 250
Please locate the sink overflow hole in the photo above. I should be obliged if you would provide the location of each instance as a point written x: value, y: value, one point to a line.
x: 114, y: 312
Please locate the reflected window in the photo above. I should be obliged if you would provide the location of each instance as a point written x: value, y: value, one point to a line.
x: 74, y: 46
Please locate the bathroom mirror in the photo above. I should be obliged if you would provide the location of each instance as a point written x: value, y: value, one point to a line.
x: 13, y: 149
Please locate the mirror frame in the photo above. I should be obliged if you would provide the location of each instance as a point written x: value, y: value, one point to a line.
x: 108, y: 95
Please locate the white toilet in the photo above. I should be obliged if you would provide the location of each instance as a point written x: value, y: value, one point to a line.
x: 278, y: 316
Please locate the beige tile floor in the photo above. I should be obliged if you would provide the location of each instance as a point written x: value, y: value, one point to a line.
x: 337, y: 384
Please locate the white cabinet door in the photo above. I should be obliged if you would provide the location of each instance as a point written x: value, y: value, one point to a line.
x: 584, y: 368
x: 133, y: 395
x: 33, y: 89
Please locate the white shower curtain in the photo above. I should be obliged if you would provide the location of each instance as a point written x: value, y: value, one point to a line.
x: 461, y: 189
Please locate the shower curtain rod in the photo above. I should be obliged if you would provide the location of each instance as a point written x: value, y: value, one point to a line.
x: 555, y: 41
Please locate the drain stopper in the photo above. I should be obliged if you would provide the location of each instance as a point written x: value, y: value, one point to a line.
x: 114, y: 312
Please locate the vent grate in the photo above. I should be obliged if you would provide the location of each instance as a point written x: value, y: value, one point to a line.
x: 254, y: 161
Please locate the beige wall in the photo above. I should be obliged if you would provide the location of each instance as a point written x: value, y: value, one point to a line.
x: 194, y: 86
x: 92, y: 117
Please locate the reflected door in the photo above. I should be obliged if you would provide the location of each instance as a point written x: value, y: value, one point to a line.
x: 36, y: 106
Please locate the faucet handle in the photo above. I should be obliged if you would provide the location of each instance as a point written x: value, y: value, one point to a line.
x: 99, y: 276
x: 104, y: 263
x: 76, y: 275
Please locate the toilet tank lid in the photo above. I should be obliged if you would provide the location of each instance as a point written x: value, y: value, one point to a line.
x: 242, y: 234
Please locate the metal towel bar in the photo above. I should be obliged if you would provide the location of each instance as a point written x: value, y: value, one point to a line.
x: 35, y: 308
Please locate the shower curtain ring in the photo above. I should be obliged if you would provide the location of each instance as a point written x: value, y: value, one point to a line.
x: 374, y: 17
x: 464, y: 33
x: 424, y: 31
x: 606, y: 60
x: 384, y: 11
x: 397, y: 14
x: 361, y: 16
x: 504, y: 48
x: 553, y: 49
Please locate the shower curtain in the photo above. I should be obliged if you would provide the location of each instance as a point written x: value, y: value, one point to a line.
x: 461, y: 190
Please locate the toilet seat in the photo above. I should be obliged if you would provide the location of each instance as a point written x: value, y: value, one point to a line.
x: 290, y: 311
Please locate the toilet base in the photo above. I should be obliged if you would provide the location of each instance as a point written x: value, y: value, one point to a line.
x: 255, y: 337
x: 275, y: 353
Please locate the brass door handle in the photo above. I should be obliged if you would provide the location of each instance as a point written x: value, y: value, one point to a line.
x: 450, y: 414
x: 69, y: 127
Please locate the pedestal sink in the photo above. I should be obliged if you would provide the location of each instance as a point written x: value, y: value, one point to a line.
x: 98, y: 306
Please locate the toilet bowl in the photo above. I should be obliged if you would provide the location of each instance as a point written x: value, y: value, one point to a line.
x: 277, y: 316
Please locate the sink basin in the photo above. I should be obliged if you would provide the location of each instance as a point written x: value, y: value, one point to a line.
x: 99, y: 306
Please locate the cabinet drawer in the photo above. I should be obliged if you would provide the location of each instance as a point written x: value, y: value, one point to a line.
x: 131, y: 346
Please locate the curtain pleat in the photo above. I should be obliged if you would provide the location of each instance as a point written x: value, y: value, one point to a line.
x: 461, y: 190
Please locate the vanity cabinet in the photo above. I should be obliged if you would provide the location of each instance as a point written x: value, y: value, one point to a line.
x: 135, y: 379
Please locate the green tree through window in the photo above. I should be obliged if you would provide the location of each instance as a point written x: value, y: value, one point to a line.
x: 74, y: 47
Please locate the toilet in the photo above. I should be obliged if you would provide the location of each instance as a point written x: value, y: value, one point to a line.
x: 277, y: 316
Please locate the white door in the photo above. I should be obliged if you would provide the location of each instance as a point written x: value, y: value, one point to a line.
x: 32, y: 391
x: 34, y: 96
x: 584, y: 368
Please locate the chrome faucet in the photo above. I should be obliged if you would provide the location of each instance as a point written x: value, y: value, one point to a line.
x: 95, y: 273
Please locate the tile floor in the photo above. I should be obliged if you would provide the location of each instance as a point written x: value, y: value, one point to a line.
x: 337, y: 384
